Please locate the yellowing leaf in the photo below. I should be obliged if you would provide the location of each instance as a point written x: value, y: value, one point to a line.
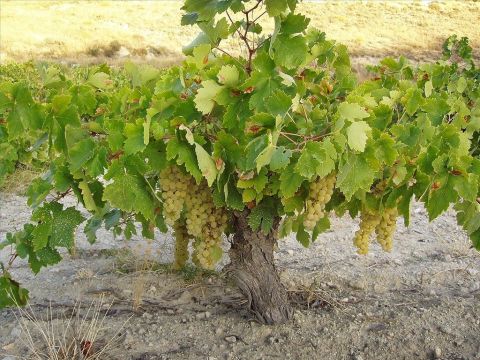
x: 357, y: 134
x: 351, y: 112
x: 228, y: 75
x: 204, y: 100
x: 206, y: 164
x: 428, y: 88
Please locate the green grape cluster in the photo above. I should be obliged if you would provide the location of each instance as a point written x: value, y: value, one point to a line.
x: 199, y: 206
x: 368, y: 222
x: 201, y: 219
x: 320, y: 193
x: 182, y: 239
x: 175, y: 185
x: 386, y: 228
x: 206, y: 223
x: 211, y: 239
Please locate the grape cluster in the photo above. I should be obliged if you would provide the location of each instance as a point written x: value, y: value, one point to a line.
x: 206, y: 223
x: 200, y: 220
x: 175, y: 185
x: 320, y: 193
x: 181, y: 244
x: 368, y: 222
x: 386, y: 228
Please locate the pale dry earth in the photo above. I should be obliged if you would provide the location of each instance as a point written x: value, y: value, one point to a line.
x: 419, y: 302
x: 150, y: 31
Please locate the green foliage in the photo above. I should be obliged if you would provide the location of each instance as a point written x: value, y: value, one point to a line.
x: 259, y: 128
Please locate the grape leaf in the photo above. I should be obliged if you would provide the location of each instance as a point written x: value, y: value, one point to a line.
x: 352, y: 112
x: 129, y: 193
x: 206, y: 164
x: 317, y: 159
x: 354, y: 174
x: 290, y: 51
x: 184, y: 155
x: 357, y: 134
x: 204, y: 100
x: 280, y: 158
x: 275, y: 7
x: 290, y: 182
x: 228, y: 75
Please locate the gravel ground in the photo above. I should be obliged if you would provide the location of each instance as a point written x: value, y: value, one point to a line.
x: 419, y: 302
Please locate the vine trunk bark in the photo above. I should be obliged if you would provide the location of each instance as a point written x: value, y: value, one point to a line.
x: 253, y: 270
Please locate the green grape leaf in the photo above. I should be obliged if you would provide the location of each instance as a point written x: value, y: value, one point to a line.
x: 84, y: 97
x: 11, y: 293
x: 354, y: 174
x: 135, y: 141
x: 317, y: 159
x: 100, y: 80
x: 290, y: 51
x: 129, y: 193
x: 184, y: 155
x: 294, y: 23
x: 64, y: 223
x: 290, y: 182
x: 80, y: 153
x: 278, y: 103
x: 262, y: 216
x: 352, y: 112
x: 412, y: 100
x: 303, y: 237
x: 440, y: 199
x: 357, y: 134
x: 280, y: 158
x: 38, y: 191
x: 41, y: 233
x: 275, y: 7
x: 91, y: 227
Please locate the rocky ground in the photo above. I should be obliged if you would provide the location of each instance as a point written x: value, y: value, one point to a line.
x: 419, y: 302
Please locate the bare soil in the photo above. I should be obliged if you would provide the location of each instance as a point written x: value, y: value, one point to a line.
x: 422, y: 301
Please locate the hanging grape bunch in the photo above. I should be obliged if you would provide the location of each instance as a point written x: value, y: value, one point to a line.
x: 320, y: 193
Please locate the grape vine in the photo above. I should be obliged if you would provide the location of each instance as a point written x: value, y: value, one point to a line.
x: 283, y: 133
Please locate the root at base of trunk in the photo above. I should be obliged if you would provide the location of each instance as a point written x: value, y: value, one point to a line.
x: 253, y: 270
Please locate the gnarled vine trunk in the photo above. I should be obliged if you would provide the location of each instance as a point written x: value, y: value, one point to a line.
x: 254, y: 272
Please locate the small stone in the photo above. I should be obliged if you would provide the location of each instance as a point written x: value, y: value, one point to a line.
x: 16, y: 331
x: 219, y: 331
x: 437, y: 353
x: 170, y: 312
x: 290, y: 252
x: 147, y: 316
x: 201, y: 316
x: 184, y: 320
x: 231, y: 339
x: 9, y: 358
x: 274, y: 340
x: 141, y: 331
x: 208, y: 314
x: 128, y: 339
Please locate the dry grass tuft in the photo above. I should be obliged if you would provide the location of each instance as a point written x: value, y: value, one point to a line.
x: 78, y: 336
x: 20, y: 179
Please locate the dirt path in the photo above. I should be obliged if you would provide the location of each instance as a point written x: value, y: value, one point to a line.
x: 420, y: 300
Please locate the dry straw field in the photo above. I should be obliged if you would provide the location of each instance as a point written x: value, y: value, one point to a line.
x: 92, y: 31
